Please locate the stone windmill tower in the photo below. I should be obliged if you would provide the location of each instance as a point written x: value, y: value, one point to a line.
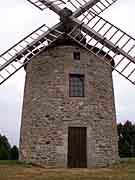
x: 68, y: 117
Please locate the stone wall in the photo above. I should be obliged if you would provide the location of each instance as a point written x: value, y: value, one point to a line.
x: 48, y: 110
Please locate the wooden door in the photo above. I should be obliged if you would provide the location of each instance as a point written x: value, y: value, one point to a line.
x: 77, y: 156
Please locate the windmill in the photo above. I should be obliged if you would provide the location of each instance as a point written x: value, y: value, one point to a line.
x: 78, y: 130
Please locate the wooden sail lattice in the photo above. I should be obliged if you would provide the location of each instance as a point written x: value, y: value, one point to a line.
x: 113, y: 41
x: 17, y: 56
x: 83, y: 8
x: 42, y: 5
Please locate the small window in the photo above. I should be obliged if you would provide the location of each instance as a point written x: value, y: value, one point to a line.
x: 76, y: 85
x: 76, y: 55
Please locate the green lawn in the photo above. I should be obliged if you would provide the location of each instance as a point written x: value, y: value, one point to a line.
x: 125, y: 170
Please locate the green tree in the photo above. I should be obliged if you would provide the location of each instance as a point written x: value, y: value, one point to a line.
x: 4, y: 153
x: 4, y: 142
x: 4, y: 148
x: 14, y: 153
x: 126, y: 141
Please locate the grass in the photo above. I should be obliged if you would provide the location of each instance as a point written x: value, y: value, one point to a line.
x: 15, y: 170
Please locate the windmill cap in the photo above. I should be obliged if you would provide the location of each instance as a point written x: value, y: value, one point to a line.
x: 67, y: 41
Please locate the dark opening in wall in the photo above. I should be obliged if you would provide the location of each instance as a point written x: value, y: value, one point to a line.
x: 76, y: 55
x: 48, y: 142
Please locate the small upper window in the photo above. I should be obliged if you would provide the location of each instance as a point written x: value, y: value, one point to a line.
x: 76, y: 55
x: 76, y: 85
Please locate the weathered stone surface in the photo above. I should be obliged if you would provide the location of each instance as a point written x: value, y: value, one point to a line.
x: 48, y: 110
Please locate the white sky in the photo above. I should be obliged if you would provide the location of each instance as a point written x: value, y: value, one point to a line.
x: 19, y: 18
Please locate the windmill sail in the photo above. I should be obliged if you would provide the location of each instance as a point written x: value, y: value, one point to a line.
x: 43, y: 4
x: 97, y: 32
x: 17, y: 56
x: 110, y: 39
x: 84, y: 8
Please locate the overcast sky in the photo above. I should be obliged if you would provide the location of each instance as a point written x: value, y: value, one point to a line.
x: 19, y: 18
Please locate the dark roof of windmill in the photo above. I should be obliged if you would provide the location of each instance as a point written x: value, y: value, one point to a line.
x: 66, y: 41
